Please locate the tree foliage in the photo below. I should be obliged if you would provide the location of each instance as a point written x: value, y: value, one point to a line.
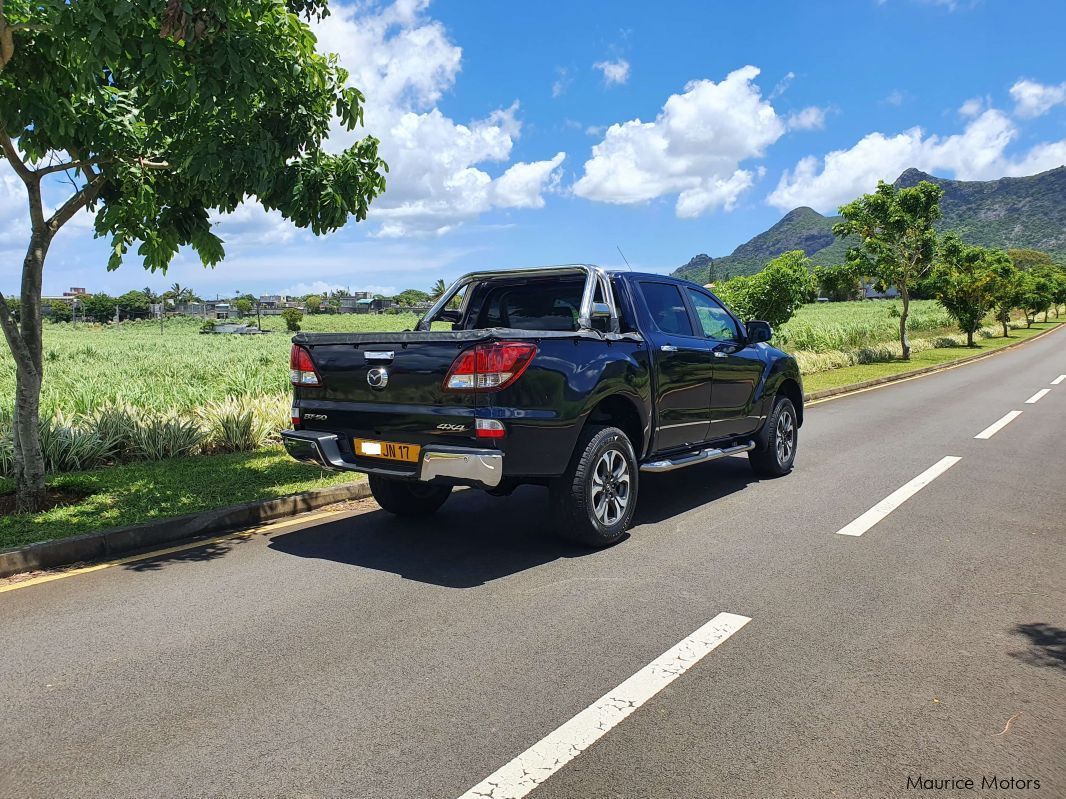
x: 897, y: 241
x: 774, y: 294
x: 156, y: 113
x: 411, y: 297
x: 839, y: 283
x: 60, y: 311
x: 964, y: 281
x: 292, y: 317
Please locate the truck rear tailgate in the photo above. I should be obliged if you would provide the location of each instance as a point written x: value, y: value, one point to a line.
x: 388, y: 388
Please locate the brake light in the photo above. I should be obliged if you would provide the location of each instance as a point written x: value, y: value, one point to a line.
x: 489, y: 367
x: 489, y: 428
x: 302, y: 370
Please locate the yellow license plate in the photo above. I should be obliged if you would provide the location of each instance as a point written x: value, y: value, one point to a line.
x: 389, y: 450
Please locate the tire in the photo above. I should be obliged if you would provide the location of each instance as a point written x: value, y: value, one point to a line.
x: 594, y: 500
x: 777, y: 456
x: 408, y: 497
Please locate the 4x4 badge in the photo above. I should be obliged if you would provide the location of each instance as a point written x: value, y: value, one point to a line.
x: 378, y: 377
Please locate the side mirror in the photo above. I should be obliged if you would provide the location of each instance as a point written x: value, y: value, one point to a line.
x: 601, y: 310
x: 448, y: 315
x: 759, y: 331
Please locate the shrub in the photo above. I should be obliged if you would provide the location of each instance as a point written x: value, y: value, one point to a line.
x: 292, y: 317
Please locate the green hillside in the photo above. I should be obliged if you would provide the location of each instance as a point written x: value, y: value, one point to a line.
x: 1009, y: 212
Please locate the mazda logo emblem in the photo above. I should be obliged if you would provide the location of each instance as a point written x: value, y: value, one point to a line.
x: 378, y: 377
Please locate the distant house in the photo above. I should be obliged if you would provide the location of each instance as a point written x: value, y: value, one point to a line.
x: 870, y: 292
x: 361, y: 305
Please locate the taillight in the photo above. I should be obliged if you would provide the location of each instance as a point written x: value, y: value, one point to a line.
x: 489, y: 428
x: 302, y: 370
x: 489, y: 367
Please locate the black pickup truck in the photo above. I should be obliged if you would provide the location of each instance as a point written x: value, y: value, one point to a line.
x: 571, y: 377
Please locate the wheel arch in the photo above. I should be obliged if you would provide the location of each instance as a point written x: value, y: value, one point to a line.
x: 621, y: 411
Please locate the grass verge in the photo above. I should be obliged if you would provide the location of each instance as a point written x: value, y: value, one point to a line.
x: 849, y: 375
x: 142, y: 492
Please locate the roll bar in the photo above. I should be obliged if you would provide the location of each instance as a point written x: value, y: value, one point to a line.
x: 594, y: 276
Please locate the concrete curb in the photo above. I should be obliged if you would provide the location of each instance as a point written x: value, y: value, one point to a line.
x: 925, y: 370
x: 123, y: 540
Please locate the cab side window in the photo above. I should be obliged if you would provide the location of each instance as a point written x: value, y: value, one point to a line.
x: 715, y: 320
x: 667, y: 308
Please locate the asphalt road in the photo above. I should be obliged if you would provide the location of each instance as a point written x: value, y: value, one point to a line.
x: 372, y: 657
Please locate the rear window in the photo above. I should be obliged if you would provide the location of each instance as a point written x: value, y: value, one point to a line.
x: 549, y: 305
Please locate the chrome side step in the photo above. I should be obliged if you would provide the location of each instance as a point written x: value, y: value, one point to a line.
x: 692, y: 458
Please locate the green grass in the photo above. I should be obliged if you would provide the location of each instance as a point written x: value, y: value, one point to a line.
x: 822, y: 327
x: 92, y: 366
x: 144, y: 492
x: 837, y: 378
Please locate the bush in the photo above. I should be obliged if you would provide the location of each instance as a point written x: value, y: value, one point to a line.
x: 292, y: 317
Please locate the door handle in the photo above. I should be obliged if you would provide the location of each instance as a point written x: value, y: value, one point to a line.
x: 668, y: 348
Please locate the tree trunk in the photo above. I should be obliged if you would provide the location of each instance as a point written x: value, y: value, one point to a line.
x: 904, y: 340
x: 29, y: 460
x: 1045, y: 314
x: 969, y: 338
x: 1005, y: 319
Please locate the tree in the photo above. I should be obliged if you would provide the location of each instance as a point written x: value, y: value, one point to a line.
x: 61, y: 312
x: 133, y: 305
x: 99, y: 307
x: 774, y: 293
x: 963, y: 281
x: 839, y: 283
x: 244, y: 306
x: 1058, y: 292
x: 1026, y: 260
x: 437, y: 290
x: 411, y: 297
x: 292, y: 317
x: 1037, y: 294
x: 158, y: 113
x: 1006, y: 287
x: 313, y: 303
x: 896, y: 238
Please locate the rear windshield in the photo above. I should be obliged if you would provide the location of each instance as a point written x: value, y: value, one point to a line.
x: 535, y: 305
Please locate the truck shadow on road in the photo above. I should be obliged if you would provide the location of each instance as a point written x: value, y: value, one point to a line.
x: 476, y: 538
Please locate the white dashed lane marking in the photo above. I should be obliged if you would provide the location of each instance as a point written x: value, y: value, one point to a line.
x: 898, y: 497
x: 1037, y: 396
x: 995, y: 427
x: 551, y: 753
x: 1058, y: 380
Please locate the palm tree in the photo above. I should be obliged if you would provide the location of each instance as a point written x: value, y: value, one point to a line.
x: 437, y: 290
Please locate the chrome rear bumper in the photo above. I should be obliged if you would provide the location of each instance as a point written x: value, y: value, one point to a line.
x: 482, y: 467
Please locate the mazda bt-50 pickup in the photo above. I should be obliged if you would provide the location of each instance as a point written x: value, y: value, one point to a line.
x: 575, y: 378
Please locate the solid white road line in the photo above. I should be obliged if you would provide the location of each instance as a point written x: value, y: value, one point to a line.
x: 551, y: 753
x: 898, y: 497
x: 995, y: 427
x: 1058, y: 380
x: 1037, y: 396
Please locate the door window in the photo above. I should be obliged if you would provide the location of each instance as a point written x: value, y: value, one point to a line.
x: 667, y: 308
x: 715, y: 320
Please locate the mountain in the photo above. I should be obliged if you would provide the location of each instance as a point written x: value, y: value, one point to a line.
x: 1009, y: 212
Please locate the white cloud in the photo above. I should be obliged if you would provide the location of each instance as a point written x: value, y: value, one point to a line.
x: 1032, y: 99
x: 810, y: 118
x: 895, y: 97
x: 972, y: 107
x: 562, y: 82
x: 977, y: 153
x: 615, y: 73
x: 782, y: 86
x: 404, y: 63
x: 694, y: 148
x: 251, y: 225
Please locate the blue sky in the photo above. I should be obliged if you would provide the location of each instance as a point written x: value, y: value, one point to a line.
x: 523, y: 134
